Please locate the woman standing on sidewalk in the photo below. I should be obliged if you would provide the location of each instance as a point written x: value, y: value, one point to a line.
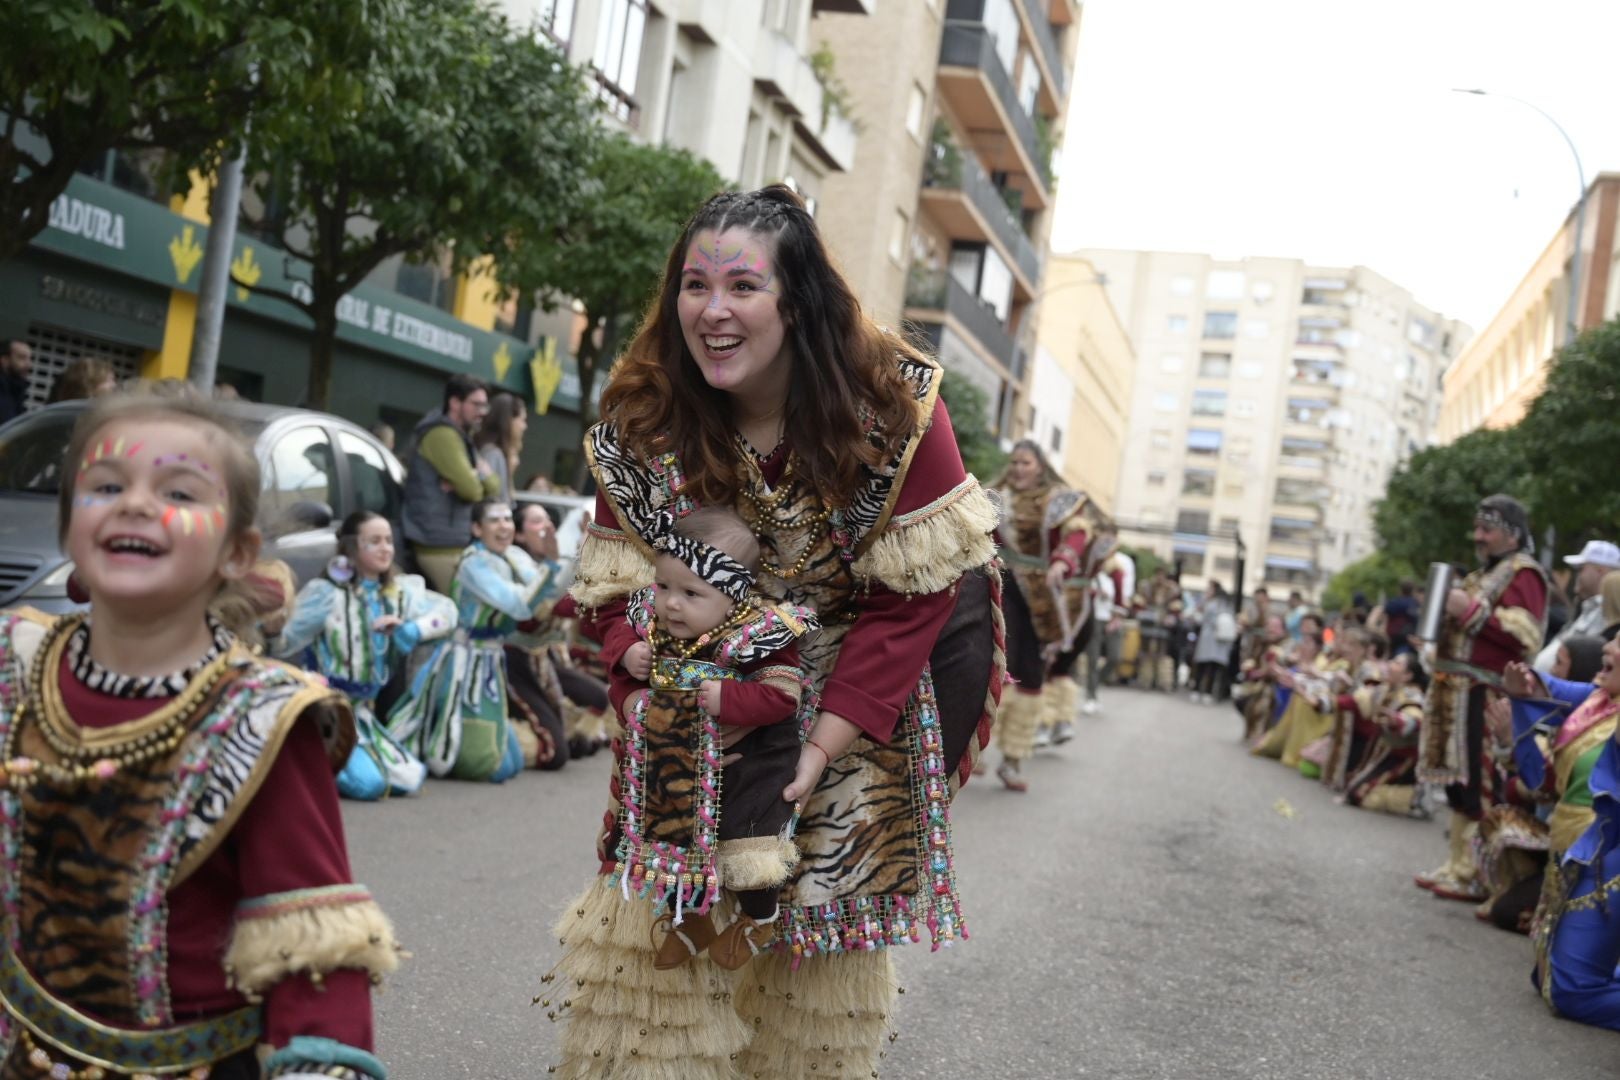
x: 756, y: 383
x: 1042, y: 543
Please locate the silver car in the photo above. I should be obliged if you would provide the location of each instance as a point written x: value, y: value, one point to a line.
x: 317, y: 470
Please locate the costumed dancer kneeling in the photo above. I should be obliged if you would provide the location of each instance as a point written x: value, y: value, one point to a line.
x: 179, y: 899
x: 455, y: 715
x: 722, y: 664
x: 1042, y: 543
x: 864, y: 513
x: 357, y: 625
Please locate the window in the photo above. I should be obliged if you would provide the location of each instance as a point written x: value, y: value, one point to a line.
x: 1029, y: 84
x: 1251, y: 369
x: 372, y: 484
x: 1156, y: 478
x: 1244, y: 408
x: 1182, y: 285
x: 618, y: 54
x: 1209, y: 403
x: 1198, y: 482
x: 302, y: 469
x: 1262, y: 291
x: 1001, y: 24
x: 1307, y: 410
x: 1205, y: 441
x: 1289, y: 530
x: 1220, y: 324
x: 1193, y: 522
x: 1175, y: 324
x: 898, y: 235
x: 1161, y: 439
x: 1228, y: 526
x: 1170, y: 363
x: 1214, y: 365
x: 1259, y: 329
x: 1224, y: 285
x: 981, y: 271
x: 916, y: 110
x: 1166, y: 402
x: 556, y: 18
x: 1189, y: 560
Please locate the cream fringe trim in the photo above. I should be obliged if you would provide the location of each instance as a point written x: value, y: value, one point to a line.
x: 759, y: 862
x: 312, y: 941
x: 926, y: 550
x: 1015, y: 726
x: 828, y: 1018
x: 608, y: 570
x: 626, y: 1020
x: 1060, y: 698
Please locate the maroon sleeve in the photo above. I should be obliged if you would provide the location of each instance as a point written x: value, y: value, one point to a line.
x: 884, y: 653
x: 291, y: 837
x: 1526, y: 591
x: 1069, y: 550
x: 755, y: 704
x: 608, y: 625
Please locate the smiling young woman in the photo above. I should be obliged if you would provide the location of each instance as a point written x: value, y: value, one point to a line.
x: 756, y: 383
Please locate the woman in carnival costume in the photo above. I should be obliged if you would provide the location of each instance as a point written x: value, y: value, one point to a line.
x: 535, y: 690
x: 455, y: 715
x: 756, y: 383
x: 1388, y: 780
x: 356, y: 626
x: 178, y: 898
x: 1042, y: 543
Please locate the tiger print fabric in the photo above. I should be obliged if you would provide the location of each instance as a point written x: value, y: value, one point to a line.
x: 672, y: 721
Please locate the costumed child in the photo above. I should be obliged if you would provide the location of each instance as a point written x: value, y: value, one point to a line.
x: 1388, y: 780
x: 712, y: 653
x: 177, y: 893
x: 357, y: 625
x: 454, y: 716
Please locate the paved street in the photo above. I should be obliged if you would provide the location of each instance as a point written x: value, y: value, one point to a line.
x: 1145, y: 912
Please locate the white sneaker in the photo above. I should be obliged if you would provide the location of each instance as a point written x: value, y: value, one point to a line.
x: 1043, y: 737
x: 1062, y: 732
x: 1090, y: 708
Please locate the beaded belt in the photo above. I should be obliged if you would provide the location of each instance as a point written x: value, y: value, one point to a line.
x: 164, y: 1050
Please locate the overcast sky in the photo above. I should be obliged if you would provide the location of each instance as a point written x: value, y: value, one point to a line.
x: 1326, y: 131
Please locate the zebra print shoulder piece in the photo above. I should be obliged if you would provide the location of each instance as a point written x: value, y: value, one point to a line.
x: 638, y: 490
x: 639, y: 611
x: 240, y: 739
x: 775, y: 628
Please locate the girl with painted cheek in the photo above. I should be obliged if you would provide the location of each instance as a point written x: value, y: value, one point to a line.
x: 455, y: 714
x: 357, y: 626
x: 167, y: 811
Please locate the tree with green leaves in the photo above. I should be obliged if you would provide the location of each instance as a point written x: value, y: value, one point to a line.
x: 1567, y: 439
x: 969, y: 408
x: 1427, y: 512
x: 609, y: 253
x: 1379, y: 574
x: 80, y: 78
x: 434, y: 130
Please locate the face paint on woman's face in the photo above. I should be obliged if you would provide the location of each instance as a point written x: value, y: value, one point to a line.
x: 729, y: 313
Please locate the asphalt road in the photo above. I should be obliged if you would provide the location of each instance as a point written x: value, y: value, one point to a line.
x: 1150, y: 909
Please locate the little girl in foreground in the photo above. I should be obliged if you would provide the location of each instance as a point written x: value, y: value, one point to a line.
x: 713, y: 653
x: 177, y: 889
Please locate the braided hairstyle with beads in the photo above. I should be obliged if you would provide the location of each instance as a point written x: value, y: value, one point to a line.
x: 844, y: 365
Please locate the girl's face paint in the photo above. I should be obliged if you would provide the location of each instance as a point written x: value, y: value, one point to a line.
x: 496, y: 530
x: 149, y: 514
x: 729, y: 313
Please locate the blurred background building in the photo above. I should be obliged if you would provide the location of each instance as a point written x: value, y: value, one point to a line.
x: 1502, y: 371
x: 943, y: 218
x: 1271, y: 402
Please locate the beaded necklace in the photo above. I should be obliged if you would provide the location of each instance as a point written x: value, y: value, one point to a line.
x: 764, y: 508
x: 664, y: 645
x: 89, y: 753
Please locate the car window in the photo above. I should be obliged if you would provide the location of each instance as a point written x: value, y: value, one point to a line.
x: 373, y: 486
x: 302, y: 470
x: 31, y: 451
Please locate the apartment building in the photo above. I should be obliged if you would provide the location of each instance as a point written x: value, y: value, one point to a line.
x: 1272, y: 400
x: 941, y: 221
x: 1080, y: 386
x: 1502, y: 371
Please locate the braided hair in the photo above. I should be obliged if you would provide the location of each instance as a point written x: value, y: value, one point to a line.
x: 844, y: 369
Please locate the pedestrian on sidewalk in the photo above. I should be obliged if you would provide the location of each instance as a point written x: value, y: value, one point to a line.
x: 1217, y: 630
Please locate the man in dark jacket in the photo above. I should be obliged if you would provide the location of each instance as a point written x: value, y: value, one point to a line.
x: 445, y: 479
x: 16, y: 363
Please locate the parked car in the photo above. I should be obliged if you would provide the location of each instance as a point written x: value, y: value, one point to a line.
x: 317, y: 470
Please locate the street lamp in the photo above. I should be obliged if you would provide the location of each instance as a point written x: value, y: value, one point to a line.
x: 1572, y: 321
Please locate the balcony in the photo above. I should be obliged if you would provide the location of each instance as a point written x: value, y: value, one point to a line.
x: 934, y: 298
x: 843, y: 7
x: 961, y: 197
x: 784, y: 72
x: 981, y: 94
x: 1046, y: 43
x: 833, y: 141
